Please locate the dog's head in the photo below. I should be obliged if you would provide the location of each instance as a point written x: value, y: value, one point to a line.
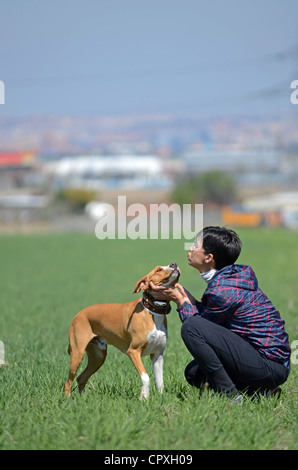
x: 160, y: 275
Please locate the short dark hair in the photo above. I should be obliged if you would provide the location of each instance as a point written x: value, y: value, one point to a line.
x: 223, y: 243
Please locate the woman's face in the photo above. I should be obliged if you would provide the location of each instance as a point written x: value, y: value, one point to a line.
x: 198, y: 258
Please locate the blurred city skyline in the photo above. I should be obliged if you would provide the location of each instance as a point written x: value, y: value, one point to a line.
x: 105, y: 97
x: 113, y: 57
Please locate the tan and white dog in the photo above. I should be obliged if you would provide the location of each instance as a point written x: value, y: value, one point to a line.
x: 137, y: 328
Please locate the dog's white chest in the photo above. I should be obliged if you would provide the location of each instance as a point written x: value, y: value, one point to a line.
x: 157, y: 338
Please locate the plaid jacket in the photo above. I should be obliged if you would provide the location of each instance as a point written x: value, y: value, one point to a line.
x: 234, y: 300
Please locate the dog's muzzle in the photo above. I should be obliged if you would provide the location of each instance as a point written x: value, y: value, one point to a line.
x: 174, y: 267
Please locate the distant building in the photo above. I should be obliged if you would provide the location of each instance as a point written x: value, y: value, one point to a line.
x: 232, y: 160
x: 110, y: 172
x: 278, y: 209
x: 15, y: 168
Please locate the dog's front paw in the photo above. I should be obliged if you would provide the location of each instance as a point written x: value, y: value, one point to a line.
x: 144, y: 395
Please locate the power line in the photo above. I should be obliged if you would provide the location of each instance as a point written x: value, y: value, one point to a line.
x: 118, y: 75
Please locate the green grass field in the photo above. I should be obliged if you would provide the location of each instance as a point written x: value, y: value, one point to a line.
x: 46, y: 280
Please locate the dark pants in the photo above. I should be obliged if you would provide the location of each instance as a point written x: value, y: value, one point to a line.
x: 227, y: 361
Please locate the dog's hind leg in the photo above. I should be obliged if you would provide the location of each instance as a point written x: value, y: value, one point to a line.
x: 96, y: 352
x: 77, y: 346
x: 75, y: 361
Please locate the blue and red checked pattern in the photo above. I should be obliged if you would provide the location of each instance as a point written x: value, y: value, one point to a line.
x: 234, y: 300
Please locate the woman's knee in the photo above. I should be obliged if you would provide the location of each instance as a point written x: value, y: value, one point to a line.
x: 187, y: 326
x: 192, y: 327
x: 184, y: 329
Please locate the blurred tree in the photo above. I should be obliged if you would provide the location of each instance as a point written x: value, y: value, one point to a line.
x: 214, y: 187
x: 77, y: 198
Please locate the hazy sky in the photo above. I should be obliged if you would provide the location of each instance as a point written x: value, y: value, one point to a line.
x: 127, y: 56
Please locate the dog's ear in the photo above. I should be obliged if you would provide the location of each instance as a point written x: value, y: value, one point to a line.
x: 138, y: 284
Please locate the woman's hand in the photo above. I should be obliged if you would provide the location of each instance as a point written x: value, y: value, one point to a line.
x: 175, y: 293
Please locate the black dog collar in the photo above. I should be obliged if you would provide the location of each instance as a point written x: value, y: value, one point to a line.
x: 161, y: 307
